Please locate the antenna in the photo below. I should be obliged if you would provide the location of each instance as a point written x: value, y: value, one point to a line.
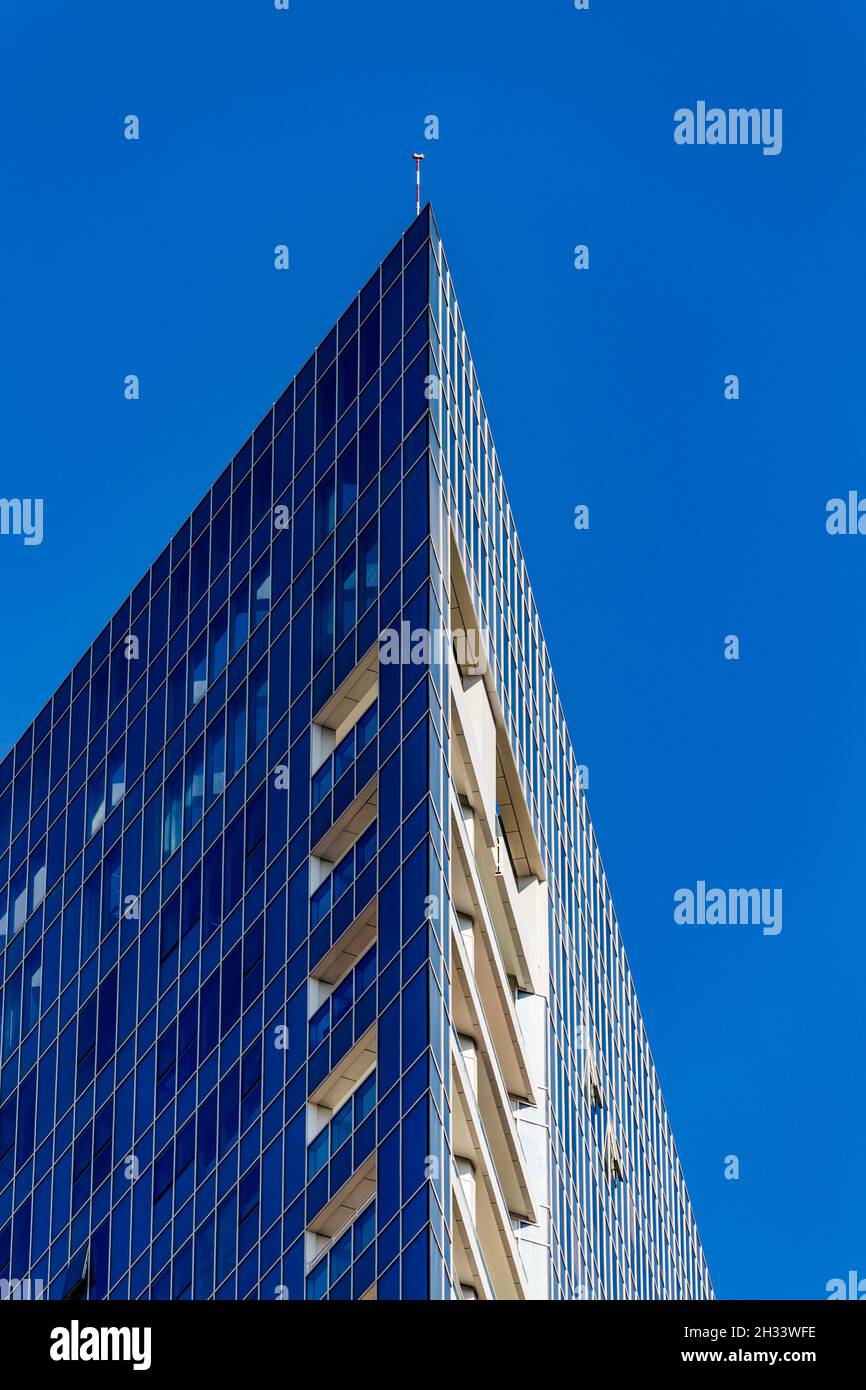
x: 417, y: 158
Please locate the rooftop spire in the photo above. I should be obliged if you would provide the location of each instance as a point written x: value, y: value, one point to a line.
x: 417, y: 158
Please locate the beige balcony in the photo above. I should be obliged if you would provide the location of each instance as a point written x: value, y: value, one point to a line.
x: 483, y: 1198
x: 489, y: 979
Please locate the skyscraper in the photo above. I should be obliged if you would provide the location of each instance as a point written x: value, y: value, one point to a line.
x: 311, y: 981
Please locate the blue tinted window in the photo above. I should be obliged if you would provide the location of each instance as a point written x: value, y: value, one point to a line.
x: 320, y: 902
x: 367, y: 726
x: 365, y: 1098
x: 341, y: 1126
x: 365, y: 1228
x: 365, y: 971
x: 320, y: 1023
x: 341, y: 1255
x: 344, y: 756
x: 321, y: 782
x: 341, y: 1000
x: 317, y: 1280
x: 366, y: 847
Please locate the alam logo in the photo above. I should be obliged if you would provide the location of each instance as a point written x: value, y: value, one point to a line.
x: 22, y: 516
x: 77, y: 1343
x: 21, y: 1289
x: 719, y: 907
x: 421, y: 646
x: 854, y: 1288
x: 737, y: 126
x: 846, y: 518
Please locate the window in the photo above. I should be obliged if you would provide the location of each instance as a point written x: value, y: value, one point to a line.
x: 322, y: 783
x: 78, y: 1276
x: 116, y: 775
x: 344, y: 994
x: 368, y: 567
x: 365, y: 1098
x: 365, y: 849
x: 323, y: 622
x: 218, y: 642
x: 348, y: 1244
x: 32, y: 989
x: 325, y: 506
x: 613, y: 1165
x: 96, y: 801
x: 219, y: 540
x: 19, y: 899
x: 342, y: 998
x: 365, y: 972
x: 364, y: 1228
x: 240, y: 617
x: 591, y: 1083
x: 216, y: 759
x: 344, y: 755
x: 317, y: 1154
x: 320, y: 1024
x: 261, y: 590
x: 177, y: 695
x: 37, y: 876
x: 347, y: 377
x: 194, y: 793
x: 237, y: 718
x: 171, y: 814
x: 367, y: 727
x: 347, y: 588
x: 197, y: 671
x: 341, y: 1126
x: 258, y: 706
x: 320, y: 903
x: 90, y: 918
x: 344, y: 875
x: 341, y: 1255
x: 317, y: 1281
x: 12, y: 1023
x: 347, y: 479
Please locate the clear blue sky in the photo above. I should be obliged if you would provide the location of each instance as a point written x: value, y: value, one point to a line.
x: 605, y: 387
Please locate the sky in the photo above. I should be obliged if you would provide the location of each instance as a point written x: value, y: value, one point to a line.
x: 605, y: 387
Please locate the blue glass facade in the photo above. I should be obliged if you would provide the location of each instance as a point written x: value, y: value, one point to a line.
x: 231, y: 1005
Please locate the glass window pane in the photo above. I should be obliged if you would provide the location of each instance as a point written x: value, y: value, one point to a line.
x: 342, y: 999
x: 367, y: 726
x: 365, y: 1098
x: 216, y: 759
x: 320, y: 1024
x: 365, y: 972
x: 321, y: 783
x: 218, y: 642
x: 364, y: 1228
x: 317, y: 1281
x: 341, y: 1255
x: 341, y: 1126
x: 317, y: 1154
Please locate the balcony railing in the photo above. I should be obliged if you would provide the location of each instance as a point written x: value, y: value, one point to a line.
x: 473, y: 1107
x: 472, y: 1232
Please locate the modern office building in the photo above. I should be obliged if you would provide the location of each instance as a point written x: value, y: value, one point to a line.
x: 311, y: 981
